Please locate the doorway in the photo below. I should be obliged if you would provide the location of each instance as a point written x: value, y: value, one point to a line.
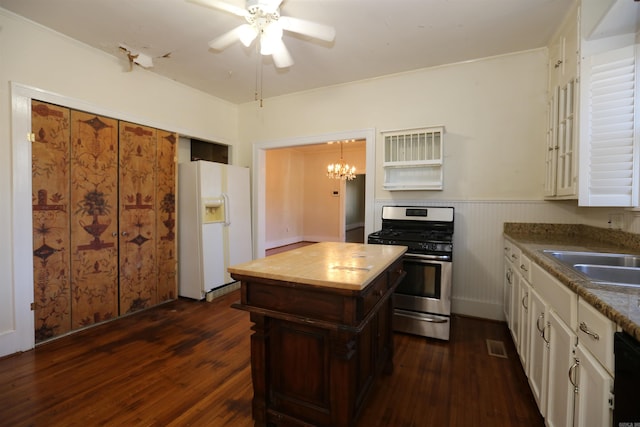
x: 259, y: 178
x: 354, y: 209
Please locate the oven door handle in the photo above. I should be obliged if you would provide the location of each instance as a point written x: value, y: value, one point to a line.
x: 428, y: 257
x: 422, y: 317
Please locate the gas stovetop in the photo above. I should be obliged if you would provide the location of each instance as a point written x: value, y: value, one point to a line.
x: 424, y: 230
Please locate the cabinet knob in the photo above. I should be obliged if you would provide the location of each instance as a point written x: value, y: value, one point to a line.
x: 124, y: 233
x: 557, y: 64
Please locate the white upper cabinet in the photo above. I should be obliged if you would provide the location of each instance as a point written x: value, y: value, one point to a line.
x: 609, y: 156
x: 561, y: 159
x: 593, y: 149
x: 609, y: 148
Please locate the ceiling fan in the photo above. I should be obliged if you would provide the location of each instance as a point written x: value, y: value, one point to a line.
x: 265, y: 23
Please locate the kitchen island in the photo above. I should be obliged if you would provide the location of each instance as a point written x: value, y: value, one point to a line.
x: 322, y: 330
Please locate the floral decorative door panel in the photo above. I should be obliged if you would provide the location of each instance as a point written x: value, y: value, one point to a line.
x: 50, y: 209
x: 138, y: 273
x: 104, y: 218
x: 166, y: 216
x: 94, y: 218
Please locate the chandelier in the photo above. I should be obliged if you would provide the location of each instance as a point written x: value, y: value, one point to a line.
x: 341, y: 170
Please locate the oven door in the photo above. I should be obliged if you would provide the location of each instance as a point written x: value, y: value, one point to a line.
x: 426, y: 287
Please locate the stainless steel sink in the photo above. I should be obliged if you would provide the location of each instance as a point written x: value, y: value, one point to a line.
x: 628, y: 276
x: 572, y: 258
x: 602, y: 267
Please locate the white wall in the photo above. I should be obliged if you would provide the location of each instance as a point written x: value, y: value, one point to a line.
x: 493, y: 111
x: 55, y: 67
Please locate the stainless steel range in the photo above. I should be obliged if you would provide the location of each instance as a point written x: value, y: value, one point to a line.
x: 423, y: 299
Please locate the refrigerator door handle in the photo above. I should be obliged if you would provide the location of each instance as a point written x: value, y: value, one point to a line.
x: 227, y: 221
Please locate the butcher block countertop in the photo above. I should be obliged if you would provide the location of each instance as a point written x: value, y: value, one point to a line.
x: 344, y: 266
x: 621, y: 304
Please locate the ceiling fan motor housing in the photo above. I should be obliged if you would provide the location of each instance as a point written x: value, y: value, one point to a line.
x: 268, y: 9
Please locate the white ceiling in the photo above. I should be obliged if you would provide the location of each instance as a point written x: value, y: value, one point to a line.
x: 373, y: 37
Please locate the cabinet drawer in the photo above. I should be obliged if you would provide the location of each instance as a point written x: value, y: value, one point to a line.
x: 396, y: 273
x: 561, y: 299
x: 524, y: 267
x: 595, y: 333
x: 376, y: 291
x: 512, y: 252
x: 508, y: 247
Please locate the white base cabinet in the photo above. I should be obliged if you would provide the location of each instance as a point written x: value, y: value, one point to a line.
x: 538, y: 369
x: 565, y: 345
x: 594, y: 399
x: 561, y: 381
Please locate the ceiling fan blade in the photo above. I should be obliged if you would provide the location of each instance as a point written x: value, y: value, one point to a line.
x: 281, y: 56
x: 226, y: 39
x: 308, y: 28
x: 221, y: 5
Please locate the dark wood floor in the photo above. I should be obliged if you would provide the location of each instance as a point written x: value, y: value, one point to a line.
x: 186, y: 363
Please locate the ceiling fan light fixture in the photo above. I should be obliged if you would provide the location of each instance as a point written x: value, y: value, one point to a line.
x: 264, y: 7
x: 247, y: 34
x: 270, y: 38
x: 263, y: 21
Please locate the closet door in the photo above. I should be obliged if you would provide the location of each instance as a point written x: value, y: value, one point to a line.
x: 166, y: 216
x: 94, y: 219
x: 50, y: 213
x: 137, y: 175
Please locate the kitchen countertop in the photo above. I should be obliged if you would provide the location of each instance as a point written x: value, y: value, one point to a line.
x: 346, y: 266
x: 621, y: 304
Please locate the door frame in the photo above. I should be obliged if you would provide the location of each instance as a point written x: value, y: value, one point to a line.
x: 259, y: 177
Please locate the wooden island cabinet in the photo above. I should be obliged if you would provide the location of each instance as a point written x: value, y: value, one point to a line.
x: 322, y: 330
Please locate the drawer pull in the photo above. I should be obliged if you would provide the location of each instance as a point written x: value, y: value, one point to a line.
x: 584, y: 328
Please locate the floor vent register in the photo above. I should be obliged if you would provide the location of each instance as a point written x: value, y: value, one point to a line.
x: 496, y: 349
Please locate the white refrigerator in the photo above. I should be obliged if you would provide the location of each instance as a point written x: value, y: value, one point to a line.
x: 214, y: 225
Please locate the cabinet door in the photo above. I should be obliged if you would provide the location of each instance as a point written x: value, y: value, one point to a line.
x: 595, y: 386
x: 166, y: 221
x: 523, y: 325
x: 551, y: 155
x: 566, y: 178
x: 560, y: 397
x: 138, y: 274
x: 608, y: 160
x: 508, y: 289
x: 94, y: 218
x: 538, y: 350
x: 570, y: 49
x: 50, y: 215
x: 515, y: 309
